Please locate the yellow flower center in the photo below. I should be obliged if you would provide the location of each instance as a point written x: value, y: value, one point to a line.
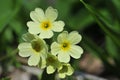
x: 65, y: 46
x: 46, y: 25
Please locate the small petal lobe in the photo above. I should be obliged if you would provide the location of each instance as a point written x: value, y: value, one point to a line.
x: 76, y: 51
x: 64, y: 57
x: 58, y: 26
x: 55, y: 48
x: 74, y: 37
x: 46, y: 34
x: 33, y: 27
x: 34, y: 60
x: 62, y: 37
x: 50, y: 69
x: 37, y: 15
x: 25, y: 49
x: 51, y: 13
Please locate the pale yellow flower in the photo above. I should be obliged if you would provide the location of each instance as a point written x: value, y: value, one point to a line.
x: 65, y: 70
x: 52, y: 63
x: 44, y: 24
x: 36, y: 50
x: 66, y: 46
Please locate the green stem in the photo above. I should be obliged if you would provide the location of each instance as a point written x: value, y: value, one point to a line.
x: 46, y: 76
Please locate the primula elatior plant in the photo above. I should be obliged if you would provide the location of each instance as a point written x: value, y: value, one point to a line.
x: 65, y: 47
x: 54, y: 57
x: 44, y: 23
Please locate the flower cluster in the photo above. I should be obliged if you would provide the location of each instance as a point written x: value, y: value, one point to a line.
x: 54, y: 57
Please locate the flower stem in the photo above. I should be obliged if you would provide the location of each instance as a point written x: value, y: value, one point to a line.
x: 46, y: 76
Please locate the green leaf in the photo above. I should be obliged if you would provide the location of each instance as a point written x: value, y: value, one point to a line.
x: 8, y: 35
x: 116, y: 4
x: 103, y: 23
x: 31, y: 4
x: 8, y: 10
x: 5, y: 13
x: 64, y: 7
x: 17, y: 26
x: 111, y: 47
x: 81, y: 20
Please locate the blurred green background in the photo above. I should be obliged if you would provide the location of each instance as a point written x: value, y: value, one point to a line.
x: 98, y: 21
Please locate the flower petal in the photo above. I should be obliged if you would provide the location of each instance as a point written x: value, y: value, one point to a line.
x: 58, y: 26
x: 70, y: 70
x: 51, y: 13
x: 50, y: 69
x: 46, y: 34
x: 40, y: 13
x: 55, y: 48
x: 28, y: 37
x: 33, y: 27
x: 61, y: 75
x: 74, y: 37
x: 25, y: 49
x: 76, y: 51
x: 37, y: 15
x: 62, y: 37
x: 63, y: 57
x: 34, y: 60
x: 42, y: 64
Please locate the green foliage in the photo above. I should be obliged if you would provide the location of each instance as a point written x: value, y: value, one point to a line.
x: 5, y: 78
x: 112, y: 37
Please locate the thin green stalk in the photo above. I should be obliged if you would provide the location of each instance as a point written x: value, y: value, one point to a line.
x: 46, y: 76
